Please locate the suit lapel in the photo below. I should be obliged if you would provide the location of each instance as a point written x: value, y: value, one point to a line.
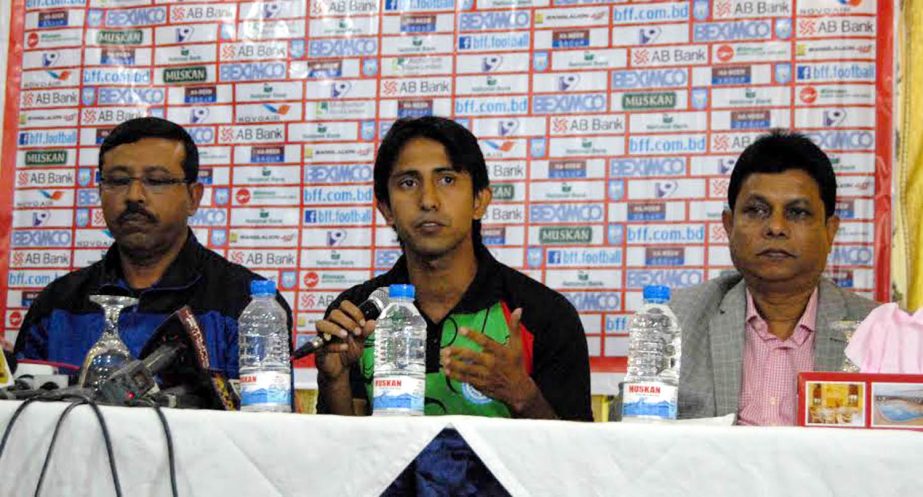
x: 726, y: 336
x: 828, y: 344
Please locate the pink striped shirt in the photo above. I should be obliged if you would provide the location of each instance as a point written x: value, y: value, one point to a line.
x: 768, y: 394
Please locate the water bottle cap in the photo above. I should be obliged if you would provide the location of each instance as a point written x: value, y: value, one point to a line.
x: 657, y: 292
x: 401, y: 292
x: 262, y: 287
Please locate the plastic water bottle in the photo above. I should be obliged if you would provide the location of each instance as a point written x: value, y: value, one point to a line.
x: 654, y: 350
x: 265, y: 368
x: 400, y: 356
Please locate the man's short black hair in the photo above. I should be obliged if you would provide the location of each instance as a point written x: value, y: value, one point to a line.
x: 460, y: 145
x: 777, y: 152
x: 139, y: 128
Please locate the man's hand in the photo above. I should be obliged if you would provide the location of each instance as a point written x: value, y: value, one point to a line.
x: 350, y: 327
x: 498, y: 371
x: 5, y: 345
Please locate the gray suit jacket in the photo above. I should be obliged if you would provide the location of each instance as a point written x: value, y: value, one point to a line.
x: 711, y: 316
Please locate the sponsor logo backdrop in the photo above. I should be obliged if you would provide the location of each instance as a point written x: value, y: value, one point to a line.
x: 610, y: 130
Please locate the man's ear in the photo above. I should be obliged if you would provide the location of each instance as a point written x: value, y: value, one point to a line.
x: 833, y: 225
x: 196, y: 190
x: 385, y: 211
x: 727, y: 219
x: 482, y: 201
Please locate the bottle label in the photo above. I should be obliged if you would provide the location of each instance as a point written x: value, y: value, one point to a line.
x: 403, y: 394
x: 649, y: 399
x: 265, y: 388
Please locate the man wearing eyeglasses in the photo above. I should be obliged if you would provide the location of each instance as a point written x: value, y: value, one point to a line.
x: 148, y: 186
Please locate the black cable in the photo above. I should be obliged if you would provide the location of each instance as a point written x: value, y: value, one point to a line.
x: 102, y: 424
x: 147, y: 402
x: 108, y: 440
x: 54, y: 439
x: 9, y: 426
x: 170, y: 457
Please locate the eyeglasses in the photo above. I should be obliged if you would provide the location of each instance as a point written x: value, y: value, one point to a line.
x: 156, y: 185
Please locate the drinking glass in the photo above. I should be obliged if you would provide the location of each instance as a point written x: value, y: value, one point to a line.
x: 109, y: 353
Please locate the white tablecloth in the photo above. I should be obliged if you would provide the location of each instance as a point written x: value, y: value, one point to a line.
x: 228, y: 454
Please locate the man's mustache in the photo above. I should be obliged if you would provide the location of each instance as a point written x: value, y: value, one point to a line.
x: 133, y: 210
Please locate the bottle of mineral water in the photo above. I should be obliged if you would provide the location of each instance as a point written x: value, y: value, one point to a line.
x: 265, y: 368
x: 400, y: 356
x: 655, y: 346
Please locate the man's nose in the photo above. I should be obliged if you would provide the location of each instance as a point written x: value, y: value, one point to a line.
x: 429, y: 196
x: 136, y: 191
x: 777, y: 224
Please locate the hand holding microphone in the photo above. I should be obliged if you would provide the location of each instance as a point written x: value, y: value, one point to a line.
x: 350, y: 325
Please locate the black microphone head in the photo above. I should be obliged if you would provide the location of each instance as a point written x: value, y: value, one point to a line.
x: 180, y: 327
x: 377, y: 301
x: 192, y: 366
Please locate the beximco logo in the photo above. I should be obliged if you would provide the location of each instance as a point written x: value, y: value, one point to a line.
x: 565, y: 235
x: 46, y: 157
x: 649, y: 101
x: 189, y: 74
x: 120, y: 37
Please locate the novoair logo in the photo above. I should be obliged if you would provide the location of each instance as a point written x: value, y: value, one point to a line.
x: 504, y: 146
x: 851, y: 3
x: 59, y: 75
x: 279, y: 110
x: 52, y: 195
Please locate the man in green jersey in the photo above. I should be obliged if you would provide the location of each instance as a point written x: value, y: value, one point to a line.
x: 498, y: 342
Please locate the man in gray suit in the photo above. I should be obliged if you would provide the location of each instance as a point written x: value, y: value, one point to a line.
x: 747, y: 335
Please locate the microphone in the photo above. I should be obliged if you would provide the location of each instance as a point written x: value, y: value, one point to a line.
x: 177, y: 353
x: 371, y: 308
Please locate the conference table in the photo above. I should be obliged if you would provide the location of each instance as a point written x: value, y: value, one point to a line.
x: 266, y: 454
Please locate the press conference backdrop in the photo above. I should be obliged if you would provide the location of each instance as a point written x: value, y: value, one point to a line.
x: 610, y: 130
